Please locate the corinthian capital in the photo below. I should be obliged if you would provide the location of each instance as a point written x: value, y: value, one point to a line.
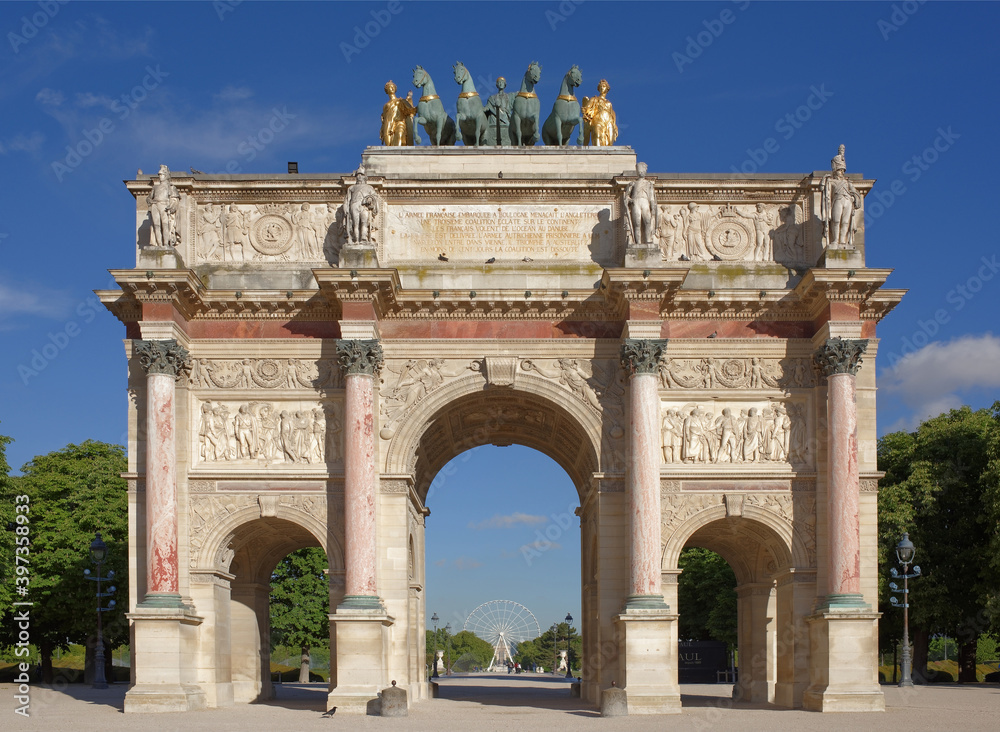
x: 840, y: 356
x: 642, y: 355
x: 163, y: 357
x: 360, y: 357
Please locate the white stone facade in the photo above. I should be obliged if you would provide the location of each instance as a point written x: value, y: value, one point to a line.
x: 500, y: 293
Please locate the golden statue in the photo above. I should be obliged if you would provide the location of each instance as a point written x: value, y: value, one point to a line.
x: 600, y: 127
x: 397, y: 125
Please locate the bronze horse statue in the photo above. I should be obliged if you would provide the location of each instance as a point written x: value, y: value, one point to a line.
x: 525, y: 118
x: 440, y: 128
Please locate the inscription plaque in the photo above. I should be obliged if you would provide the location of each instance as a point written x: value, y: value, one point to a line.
x: 476, y: 232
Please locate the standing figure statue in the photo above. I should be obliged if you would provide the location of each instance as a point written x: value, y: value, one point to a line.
x: 470, y: 114
x: 440, y: 128
x: 600, y: 126
x: 397, y: 118
x: 696, y: 225
x: 763, y: 222
x: 498, y: 108
x: 525, y: 121
x: 840, y: 202
x: 360, y: 207
x: 163, y: 201
x: 565, y: 115
x: 643, y: 215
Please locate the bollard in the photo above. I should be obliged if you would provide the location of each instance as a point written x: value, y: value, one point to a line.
x: 394, y: 701
x: 574, y: 690
x: 614, y: 702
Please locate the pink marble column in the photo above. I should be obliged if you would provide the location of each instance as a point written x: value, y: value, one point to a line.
x: 839, y: 360
x: 163, y: 362
x: 361, y: 360
x: 641, y: 359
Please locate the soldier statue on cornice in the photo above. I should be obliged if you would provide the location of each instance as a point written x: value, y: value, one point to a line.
x: 163, y: 201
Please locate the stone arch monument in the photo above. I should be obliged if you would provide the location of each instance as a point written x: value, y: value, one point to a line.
x: 306, y: 352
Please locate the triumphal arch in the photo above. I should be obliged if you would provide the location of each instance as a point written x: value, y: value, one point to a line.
x: 306, y: 351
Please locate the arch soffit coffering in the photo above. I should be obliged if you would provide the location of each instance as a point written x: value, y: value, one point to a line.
x: 403, y: 454
x: 778, y: 536
x: 229, y: 528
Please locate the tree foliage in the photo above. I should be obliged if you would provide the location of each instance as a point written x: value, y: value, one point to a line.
x: 544, y: 650
x: 73, y: 493
x: 706, y: 597
x: 7, y: 538
x: 941, y: 488
x: 300, y: 603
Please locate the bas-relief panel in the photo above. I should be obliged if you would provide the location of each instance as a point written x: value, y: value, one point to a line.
x: 755, y: 432
x: 476, y: 232
x: 736, y: 373
x: 744, y: 233
x: 257, y: 433
x: 265, y: 373
x: 267, y: 233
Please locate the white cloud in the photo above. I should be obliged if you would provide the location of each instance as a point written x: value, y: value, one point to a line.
x: 32, y: 300
x: 541, y: 545
x: 466, y: 563
x: 233, y: 94
x: 509, y: 521
x: 933, y: 379
x: 22, y: 143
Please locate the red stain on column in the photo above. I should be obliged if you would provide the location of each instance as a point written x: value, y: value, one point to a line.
x: 161, y: 486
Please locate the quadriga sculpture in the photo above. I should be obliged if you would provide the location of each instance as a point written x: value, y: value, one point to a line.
x: 565, y: 111
x: 440, y: 128
x: 525, y: 119
x: 471, y: 115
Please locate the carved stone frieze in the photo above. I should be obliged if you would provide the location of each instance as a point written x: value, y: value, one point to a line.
x: 394, y: 486
x: 265, y: 373
x: 136, y: 486
x: 265, y: 433
x: 735, y: 373
x: 406, y: 383
x: 675, y: 508
x: 670, y: 486
x: 360, y: 357
x: 869, y: 485
x: 642, y: 355
x: 202, y: 486
x: 840, y: 356
x: 265, y: 232
x: 761, y: 232
x: 163, y: 357
x: 735, y: 432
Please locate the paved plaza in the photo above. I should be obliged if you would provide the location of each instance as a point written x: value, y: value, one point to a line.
x: 490, y: 702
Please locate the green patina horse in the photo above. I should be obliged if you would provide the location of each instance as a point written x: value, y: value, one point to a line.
x: 525, y: 118
x: 471, y: 115
x: 565, y: 111
x: 440, y: 128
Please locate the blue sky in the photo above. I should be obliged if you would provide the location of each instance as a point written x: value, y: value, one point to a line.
x: 909, y: 88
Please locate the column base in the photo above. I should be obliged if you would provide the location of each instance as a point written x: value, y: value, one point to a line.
x: 163, y: 600
x: 843, y: 662
x: 646, y: 602
x: 837, y: 601
x: 362, y: 636
x: 361, y: 602
x: 154, y: 698
x: 166, y: 644
x: 647, y: 646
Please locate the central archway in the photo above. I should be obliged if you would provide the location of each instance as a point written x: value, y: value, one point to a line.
x: 536, y: 413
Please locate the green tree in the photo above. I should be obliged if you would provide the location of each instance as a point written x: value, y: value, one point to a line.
x: 72, y: 494
x: 300, y: 604
x: 706, y: 597
x: 940, y: 487
x: 468, y: 644
x: 544, y: 650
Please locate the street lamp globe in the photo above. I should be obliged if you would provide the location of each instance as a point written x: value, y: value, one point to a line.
x: 98, y: 549
x: 905, y: 550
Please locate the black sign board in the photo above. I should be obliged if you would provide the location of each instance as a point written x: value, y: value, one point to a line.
x: 699, y: 661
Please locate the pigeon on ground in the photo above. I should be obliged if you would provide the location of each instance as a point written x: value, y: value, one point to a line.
x: 714, y: 334
x: 443, y: 257
x: 491, y: 260
x: 684, y: 258
x: 527, y: 259
x: 197, y: 172
x: 716, y: 258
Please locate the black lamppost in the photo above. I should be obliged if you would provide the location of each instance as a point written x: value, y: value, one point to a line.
x: 904, y: 553
x: 99, y: 554
x: 569, y: 667
x: 435, y: 674
x: 555, y: 648
x: 447, y: 646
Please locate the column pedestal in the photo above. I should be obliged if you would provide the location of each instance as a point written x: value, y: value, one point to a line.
x: 844, y: 663
x: 166, y: 643
x: 362, y: 649
x: 647, y: 647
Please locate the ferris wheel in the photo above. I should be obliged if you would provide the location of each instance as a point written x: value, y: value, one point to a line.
x: 503, y: 624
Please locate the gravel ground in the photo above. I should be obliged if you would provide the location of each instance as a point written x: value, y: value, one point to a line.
x: 487, y: 702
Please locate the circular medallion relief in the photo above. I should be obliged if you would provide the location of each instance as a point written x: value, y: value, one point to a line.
x: 731, y: 240
x: 271, y: 234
